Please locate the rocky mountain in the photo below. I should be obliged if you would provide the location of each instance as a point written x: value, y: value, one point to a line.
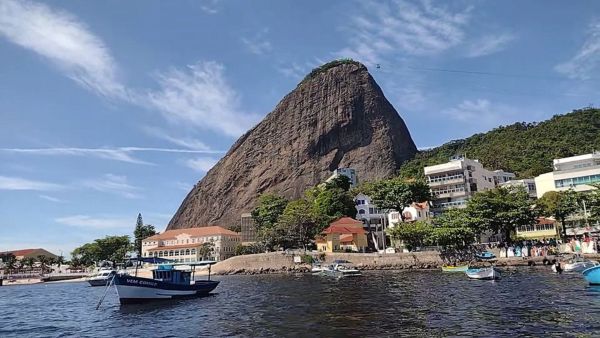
x: 336, y: 117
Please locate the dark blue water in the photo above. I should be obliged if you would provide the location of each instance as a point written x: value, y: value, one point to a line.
x: 392, y: 303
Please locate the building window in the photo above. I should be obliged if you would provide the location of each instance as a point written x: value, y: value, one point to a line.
x: 170, y: 252
x: 361, y: 212
x: 187, y: 252
x: 193, y: 251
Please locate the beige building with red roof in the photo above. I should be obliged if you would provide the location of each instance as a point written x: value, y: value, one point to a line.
x: 184, y: 245
x: 344, y: 234
x: 24, y: 253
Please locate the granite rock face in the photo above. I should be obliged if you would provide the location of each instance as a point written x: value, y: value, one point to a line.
x: 338, y: 117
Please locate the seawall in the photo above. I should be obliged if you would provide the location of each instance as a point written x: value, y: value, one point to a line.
x: 280, y: 262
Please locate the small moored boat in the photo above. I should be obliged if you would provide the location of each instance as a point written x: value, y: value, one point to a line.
x: 577, y: 264
x: 338, y: 269
x: 455, y: 268
x: 592, y: 275
x: 102, y: 278
x: 490, y: 273
x: 166, y: 283
x: 485, y: 256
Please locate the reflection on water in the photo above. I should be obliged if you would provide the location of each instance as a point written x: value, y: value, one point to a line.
x: 391, y: 303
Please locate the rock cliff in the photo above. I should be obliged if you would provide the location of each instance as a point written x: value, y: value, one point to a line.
x: 336, y: 117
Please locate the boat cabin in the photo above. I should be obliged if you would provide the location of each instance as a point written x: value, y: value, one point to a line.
x: 167, y: 273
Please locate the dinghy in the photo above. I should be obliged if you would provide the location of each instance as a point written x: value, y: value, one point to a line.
x: 592, y: 275
x: 455, y: 268
x: 483, y: 273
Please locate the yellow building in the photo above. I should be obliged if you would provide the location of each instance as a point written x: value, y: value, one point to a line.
x: 183, y: 245
x: 544, y: 228
x: 344, y: 234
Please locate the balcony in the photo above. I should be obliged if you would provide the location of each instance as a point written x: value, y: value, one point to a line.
x: 445, y: 181
x: 450, y: 194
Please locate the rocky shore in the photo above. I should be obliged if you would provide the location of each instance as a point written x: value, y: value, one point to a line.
x: 279, y: 262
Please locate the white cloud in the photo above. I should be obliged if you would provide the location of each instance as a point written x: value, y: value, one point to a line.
x: 489, y: 44
x: 414, y: 28
x: 210, y: 6
x: 86, y: 221
x: 113, y: 184
x: 190, y: 143
x: 202, y: 164
x: 258, y: 44
x: 17, y: 183
x: 62, y: 39
x: 122, y: 154
x: 201, y: 96
x: 587, y: 58
x: 51, y: 199
x: 484, y: 114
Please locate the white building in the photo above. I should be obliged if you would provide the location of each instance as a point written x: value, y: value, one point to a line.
x: 366, y: 211
x: 416, y: 212
x: 528, y: 184
x: 348, y: 172
x: 183, y: 245
x: 576, y: 172
x: 454, y: 182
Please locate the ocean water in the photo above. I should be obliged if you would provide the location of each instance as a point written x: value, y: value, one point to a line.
x: 526, y: 302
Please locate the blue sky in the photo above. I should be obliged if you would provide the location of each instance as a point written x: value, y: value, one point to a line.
x: 111, y: 108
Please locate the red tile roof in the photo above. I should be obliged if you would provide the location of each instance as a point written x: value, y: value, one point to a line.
x: 193, y: 232
x: 543, y: 220
x: 25, y: 252
x: 346, y: 238
x: 347, y: 221
x: 345, y: 225
x: 421, y: 206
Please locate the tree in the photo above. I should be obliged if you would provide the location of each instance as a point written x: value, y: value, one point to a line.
x: 60, y: 260
x: 110, y: 248
x: 9, y: 261
x: 341, y: 182
x: 398, y: 193
x: 265, y: 216
x: 29, y: 262
x: 501, y: 210
x: 413, y: 235
x: 593, y: 202
x: 558, y: 204
x: 298, y: 224
x: 44, y: 262
x: 206, y: 250
x: 270, y: 207
x: 333, y: 202
x: 454, y: 228
x: 142, y: 232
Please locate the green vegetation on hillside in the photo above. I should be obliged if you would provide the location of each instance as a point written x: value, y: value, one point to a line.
x: 327, y: 66
x: 527, y: 149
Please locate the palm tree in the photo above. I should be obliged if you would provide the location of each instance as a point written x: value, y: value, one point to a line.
x: 60, y: 260
x: 43, y: 262
x: 29, y: 261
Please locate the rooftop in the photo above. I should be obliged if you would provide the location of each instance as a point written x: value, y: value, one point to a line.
x: 193, y: 232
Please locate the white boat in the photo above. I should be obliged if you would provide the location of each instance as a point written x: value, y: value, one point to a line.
x: 316, y: 268
x: 102, y: 277
x: 576, y: 265
x: 338, y: 269
x: 490, y: 273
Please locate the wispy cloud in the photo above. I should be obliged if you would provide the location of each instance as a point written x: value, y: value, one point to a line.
x: 17, y: 183
x: 86, y: 221
x: 483, y: 114
x: 113, y: 184
x: 587, y: 58
x: 123, y: 154
x: 210, y: 6
x: 202, y: 164
x: 413, y: 28
x: 201, y: 96
x: 489, y: 44
x: 258, y: 44
x: 186, y: 142
x: 51, y: 199
x: 63, y: 40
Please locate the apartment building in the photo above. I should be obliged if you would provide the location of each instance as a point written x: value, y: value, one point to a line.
x: 576, y: 172
x: 454, y: 182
